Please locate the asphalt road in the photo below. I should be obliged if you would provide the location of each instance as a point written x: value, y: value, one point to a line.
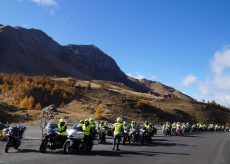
x: 203, y: 148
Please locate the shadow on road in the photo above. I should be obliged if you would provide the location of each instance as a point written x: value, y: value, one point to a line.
x: 193, y: 136
x: 168, y: 144
x: 157, y: 143
x: 105, y: 153
x: 120, y: 153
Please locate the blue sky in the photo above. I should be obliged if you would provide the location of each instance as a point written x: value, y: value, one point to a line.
x: 181, y: 43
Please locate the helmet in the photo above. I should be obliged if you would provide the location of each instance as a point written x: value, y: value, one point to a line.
x: 61, y: 120
x: 86, y: 122
x: 119, y: 119
x: 81, y: 121
x: 91, y: 120
x: 124, y: 123
x: 146, y: 122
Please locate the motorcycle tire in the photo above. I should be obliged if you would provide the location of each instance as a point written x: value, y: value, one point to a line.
x: 67, y: 148
x: 43, y: 146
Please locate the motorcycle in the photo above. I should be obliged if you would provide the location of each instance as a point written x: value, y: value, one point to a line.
x: 75, y: 141
x: 51, y: 139
x: 145, y: 136
x: 173, y: 132
x: 126, y: 136
x: 184, y: 131
x: 102, y: 135
x: 154, y: 131
x: 14, y: 136
x: 167, y: 131
x: 179, y: 132
x: 134, y: 135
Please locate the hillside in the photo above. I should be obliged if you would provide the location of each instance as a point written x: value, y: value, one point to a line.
x: 79, y: 99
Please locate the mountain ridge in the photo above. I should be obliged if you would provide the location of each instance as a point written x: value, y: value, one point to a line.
x: 33, y: 52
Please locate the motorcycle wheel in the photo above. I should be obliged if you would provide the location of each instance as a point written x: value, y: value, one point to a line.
x: 43, y: 146
x: 7, y: 147
x: 67, y: 148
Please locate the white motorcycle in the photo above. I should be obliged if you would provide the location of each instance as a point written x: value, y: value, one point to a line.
x: 75, y: 141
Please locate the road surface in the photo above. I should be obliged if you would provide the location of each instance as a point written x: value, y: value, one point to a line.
x: 202, y: 148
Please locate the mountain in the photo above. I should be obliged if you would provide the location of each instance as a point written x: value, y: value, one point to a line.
x: 98, y: 87
x: 32, y: 52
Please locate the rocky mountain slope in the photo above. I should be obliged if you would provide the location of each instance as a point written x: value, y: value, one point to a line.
x: 32, y: 52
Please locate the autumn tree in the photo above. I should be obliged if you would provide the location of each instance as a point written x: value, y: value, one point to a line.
x: 27, y: 103
x: 99, y: 111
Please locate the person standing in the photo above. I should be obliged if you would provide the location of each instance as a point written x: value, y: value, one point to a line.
x: 88, y: 132
x: 118, y: 130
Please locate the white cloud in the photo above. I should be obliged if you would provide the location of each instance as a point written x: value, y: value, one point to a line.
x: 219, y: 83
x: 204, y: 89
x: 219, y: 64
x: 136, y: 75
x: 221, y: 60
x: 222, y: 98
x: 189, y: 80
x: 140, y: 76
x: 45, y: 2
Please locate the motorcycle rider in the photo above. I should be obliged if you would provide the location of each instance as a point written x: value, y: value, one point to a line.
x: 153, y: 130
x: 118, y: 130
x: 167, y: 128
x: 133, y: 124
x: 126, y: 126
x: 61, y: 131
x: 126, y: 136
x: 102, y: 125
x: 147, y: 125
x: 92, y: 124
x: 88, y: 133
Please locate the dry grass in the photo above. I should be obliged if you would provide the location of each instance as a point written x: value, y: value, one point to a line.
x: 80, y: 99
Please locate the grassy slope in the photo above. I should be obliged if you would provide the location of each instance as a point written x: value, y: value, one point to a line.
x: 113, y: 98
